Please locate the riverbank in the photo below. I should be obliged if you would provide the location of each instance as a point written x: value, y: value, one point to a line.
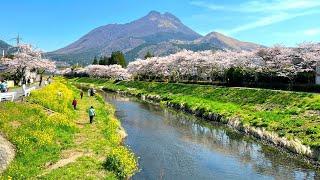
x: 285, y: 119
x: 54, y: 141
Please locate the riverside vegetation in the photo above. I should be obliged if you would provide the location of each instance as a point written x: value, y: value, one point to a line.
x: 290, y: 115
x: 54, y: 141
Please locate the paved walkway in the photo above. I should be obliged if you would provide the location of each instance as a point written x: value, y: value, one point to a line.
x: 20, y: 93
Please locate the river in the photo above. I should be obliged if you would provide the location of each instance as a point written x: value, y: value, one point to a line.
x: 175, y: 145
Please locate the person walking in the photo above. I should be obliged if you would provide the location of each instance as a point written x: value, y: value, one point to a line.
x: 49, y: 79
x: 5, y: 86
x: 40, y: 82
x: 81, y: 94
x: 74, y: 103
x: 1, y: 86
x: 92, y: 92
x: 92, y: 113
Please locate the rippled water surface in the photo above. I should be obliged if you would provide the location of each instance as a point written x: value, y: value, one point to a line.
x: 173, y: 145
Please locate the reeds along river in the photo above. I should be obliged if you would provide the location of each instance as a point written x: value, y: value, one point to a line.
x: 173, y: 145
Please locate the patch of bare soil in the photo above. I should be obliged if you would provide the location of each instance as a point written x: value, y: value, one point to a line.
x: 15, y: 124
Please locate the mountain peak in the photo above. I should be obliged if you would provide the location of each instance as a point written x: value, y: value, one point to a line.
x: 154, y: 13
x: 227, y: 42
x: 171, y: 16
x: 155, y: 22
x: 215, y: 34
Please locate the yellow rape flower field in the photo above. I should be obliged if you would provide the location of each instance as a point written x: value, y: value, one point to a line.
x: 53, y: 141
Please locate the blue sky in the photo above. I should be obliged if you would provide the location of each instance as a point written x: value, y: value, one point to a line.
x: 50, y: 25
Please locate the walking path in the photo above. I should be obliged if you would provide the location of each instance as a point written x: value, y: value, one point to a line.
x: 20, y: 93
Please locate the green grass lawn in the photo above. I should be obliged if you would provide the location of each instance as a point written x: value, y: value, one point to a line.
x: 289, y: 114
x: 53, y: 141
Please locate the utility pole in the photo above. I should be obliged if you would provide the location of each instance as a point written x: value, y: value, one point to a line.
x: 17, y: 39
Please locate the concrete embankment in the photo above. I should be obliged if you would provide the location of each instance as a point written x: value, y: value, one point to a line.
x: 7, y: 153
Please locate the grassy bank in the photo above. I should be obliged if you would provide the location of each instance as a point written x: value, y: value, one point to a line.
x: 291, y: 115
x: 54, y: 141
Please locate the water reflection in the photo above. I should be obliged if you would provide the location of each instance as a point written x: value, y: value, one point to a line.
x: 174, y: 145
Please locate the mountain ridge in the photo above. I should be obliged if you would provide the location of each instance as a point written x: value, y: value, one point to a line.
x: 4, y: 45
x: 162, y: 34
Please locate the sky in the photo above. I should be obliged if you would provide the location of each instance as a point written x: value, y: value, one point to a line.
x: 50, y: 25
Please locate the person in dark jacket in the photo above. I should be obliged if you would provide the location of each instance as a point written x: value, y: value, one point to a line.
x: 92, y: 92
x: 81, y: 94
x: 74, y: 103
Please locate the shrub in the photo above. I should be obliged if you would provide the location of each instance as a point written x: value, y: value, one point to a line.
x: 122, y: 162
x: 56, y: 96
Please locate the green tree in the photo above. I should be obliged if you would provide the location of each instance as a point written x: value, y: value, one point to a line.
x: 148, y: 55
x: 105, y: 60
x: 102, y: 61
x: 109, y: 61
x: 95, y: 60
x: 118, y: 58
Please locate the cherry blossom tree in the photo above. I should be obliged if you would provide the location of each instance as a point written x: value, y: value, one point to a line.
x: 27, y: 59
x: 115, y: 72
x: 278, y: 61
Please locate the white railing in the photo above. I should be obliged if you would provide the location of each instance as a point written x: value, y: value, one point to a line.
x: 27, y: 92
x: 7, y: 96
x: 10, y: 96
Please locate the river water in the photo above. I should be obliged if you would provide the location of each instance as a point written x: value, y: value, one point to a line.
x: 174, y: 145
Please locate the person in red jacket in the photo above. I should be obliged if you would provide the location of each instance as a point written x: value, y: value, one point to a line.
x: 74, y: 103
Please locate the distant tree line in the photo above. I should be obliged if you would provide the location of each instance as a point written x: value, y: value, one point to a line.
x: 276, y: 67
x: 148, y: 55
x: 116, y: 57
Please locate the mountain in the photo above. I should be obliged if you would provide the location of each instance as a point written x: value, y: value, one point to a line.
x: 152, y: 28
x: 212, y: 41
x: 225, y: 42
x: 161, y: 34
x: 4, y: 46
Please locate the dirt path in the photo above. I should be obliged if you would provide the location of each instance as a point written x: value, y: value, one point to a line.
x: 85, y: 141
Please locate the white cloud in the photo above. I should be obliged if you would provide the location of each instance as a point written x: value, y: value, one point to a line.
x: 269, y: 20
x: 279, y: 5
x: 263, y: 6
x: 267, y: 12
x: 208, y: 5
x: 312, y: 32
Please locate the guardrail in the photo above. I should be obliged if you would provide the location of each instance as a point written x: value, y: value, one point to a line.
x: 7, y: 96
x: 11, y: 96
x: 27, y: 92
